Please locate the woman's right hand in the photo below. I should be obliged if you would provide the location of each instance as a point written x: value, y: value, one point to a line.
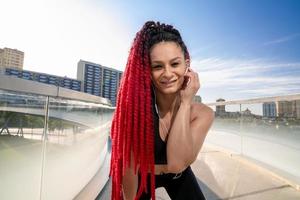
x: 130, y: 182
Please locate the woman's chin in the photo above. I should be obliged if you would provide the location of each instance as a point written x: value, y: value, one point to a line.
x: 169, y: 90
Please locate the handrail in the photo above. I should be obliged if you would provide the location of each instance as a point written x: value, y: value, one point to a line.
x: 27, y: 86
x: 290, y: 97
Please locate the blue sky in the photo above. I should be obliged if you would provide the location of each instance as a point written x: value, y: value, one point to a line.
x: 241, y: 49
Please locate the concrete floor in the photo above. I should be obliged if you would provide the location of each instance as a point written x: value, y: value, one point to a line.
x: 225, y: 176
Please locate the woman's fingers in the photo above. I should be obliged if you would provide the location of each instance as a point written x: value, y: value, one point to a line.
x: 192, y: 74
x: 195, y: 79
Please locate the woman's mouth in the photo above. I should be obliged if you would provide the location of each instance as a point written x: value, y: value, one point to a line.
x: 167, y: 83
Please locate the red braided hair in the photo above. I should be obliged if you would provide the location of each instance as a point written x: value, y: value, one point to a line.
x: 132, y: 128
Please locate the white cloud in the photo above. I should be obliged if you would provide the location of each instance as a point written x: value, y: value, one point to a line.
x: 245, y: 78
x: 276, y: 90
x: 282, y: 39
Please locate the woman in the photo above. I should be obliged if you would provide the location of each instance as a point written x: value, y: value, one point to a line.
x: 157, y: 129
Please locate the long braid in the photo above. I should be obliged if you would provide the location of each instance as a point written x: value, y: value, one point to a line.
x: 132, y: 130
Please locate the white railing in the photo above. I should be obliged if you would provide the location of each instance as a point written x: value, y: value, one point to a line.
x: 267, y: 134
x: 53, y: 150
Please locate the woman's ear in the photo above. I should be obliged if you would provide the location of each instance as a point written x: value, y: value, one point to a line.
x: 187, y: 62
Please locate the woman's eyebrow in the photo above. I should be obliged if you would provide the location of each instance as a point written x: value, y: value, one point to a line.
x: 156, y: 61
x: 176, y: 58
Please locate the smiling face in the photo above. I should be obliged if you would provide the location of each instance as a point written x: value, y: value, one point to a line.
x: 168, y: 66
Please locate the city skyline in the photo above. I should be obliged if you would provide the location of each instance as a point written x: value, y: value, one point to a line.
x: 251, y: 49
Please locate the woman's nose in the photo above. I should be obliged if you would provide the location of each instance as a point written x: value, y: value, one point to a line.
x: 168, y: 71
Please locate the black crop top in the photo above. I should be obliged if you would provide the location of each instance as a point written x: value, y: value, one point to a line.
x: 160, y: 147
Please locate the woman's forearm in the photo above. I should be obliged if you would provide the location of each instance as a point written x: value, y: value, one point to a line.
x: 130, y: 181
x: 130, y: 184
x: 179, y: 145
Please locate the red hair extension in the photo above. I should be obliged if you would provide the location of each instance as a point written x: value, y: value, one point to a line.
x: 132, y: 125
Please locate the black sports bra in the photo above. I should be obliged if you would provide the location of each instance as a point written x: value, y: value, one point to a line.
x: 160, y: 146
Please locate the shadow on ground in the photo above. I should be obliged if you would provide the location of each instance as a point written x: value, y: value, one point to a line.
x: 208, y: 193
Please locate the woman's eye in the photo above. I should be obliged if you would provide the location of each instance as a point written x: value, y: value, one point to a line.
x: 175, y: 64
x: 156, y: 66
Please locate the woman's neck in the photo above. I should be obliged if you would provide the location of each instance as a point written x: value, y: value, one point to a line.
x: 166, y: 103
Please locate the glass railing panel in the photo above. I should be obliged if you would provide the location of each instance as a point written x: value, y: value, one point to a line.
x: 271, y: 134
x: 76, y: 146
x: 21, y: 142
x: 225, y: 131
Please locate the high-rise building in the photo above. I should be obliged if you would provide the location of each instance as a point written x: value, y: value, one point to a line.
x: 11, y: 58
x: 99, y: 80
x: 65, y: 82
x: 269, y: 109
x: 289, y: 109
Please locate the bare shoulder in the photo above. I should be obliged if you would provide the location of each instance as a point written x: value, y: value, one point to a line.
x: 200, y: 110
